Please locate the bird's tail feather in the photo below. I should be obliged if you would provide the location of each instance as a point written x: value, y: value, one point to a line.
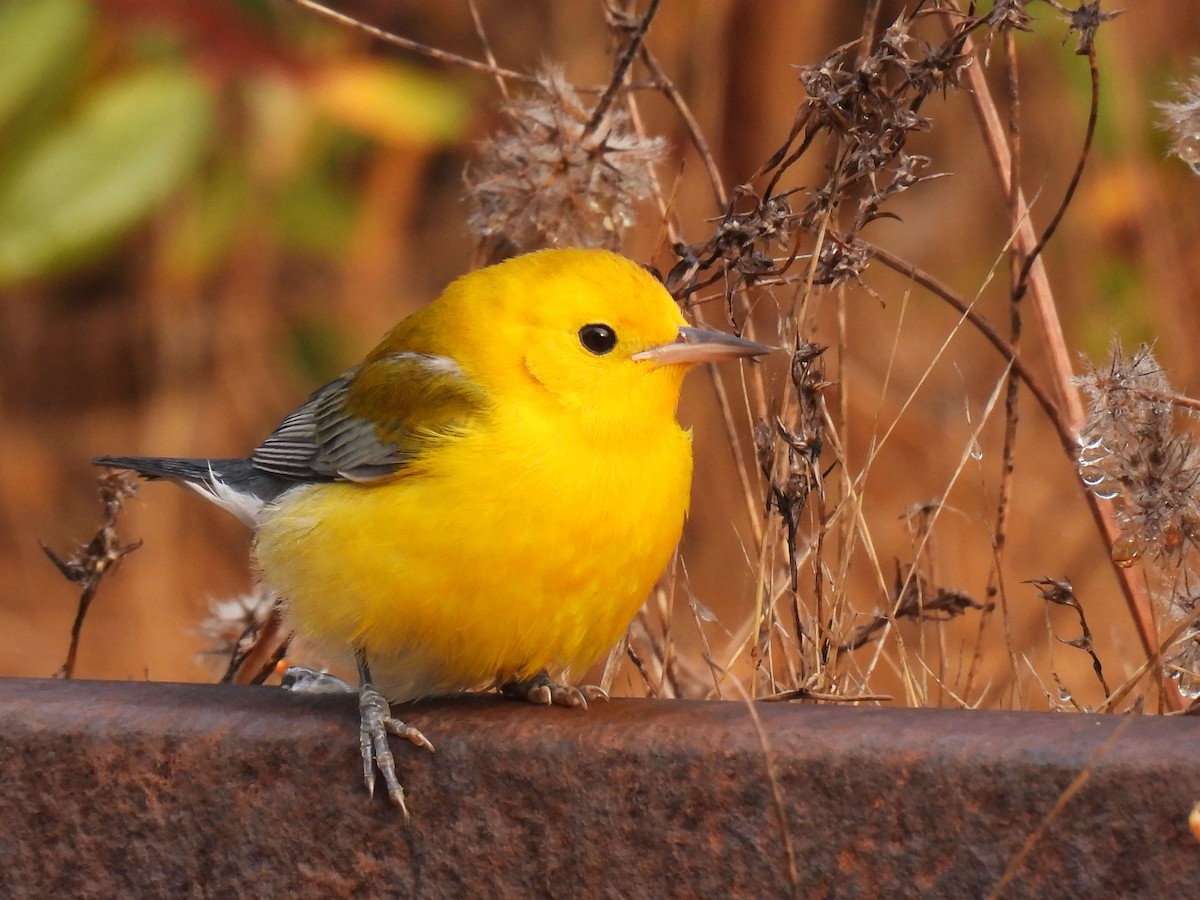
x: 199, y: 471
x: 233, y: 484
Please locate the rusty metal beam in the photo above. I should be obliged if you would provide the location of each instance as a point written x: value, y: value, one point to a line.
x: 127, y: 789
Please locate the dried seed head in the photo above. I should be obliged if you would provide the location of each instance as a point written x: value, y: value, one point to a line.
x: 1182, y: 121
x: 229, y: 620
x: 1131, y: 451
x: 1006, y: 14
x: 1085, y: 20
x: 545, y: 179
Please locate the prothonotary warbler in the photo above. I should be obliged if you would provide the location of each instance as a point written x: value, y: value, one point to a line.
x: 489, y: 497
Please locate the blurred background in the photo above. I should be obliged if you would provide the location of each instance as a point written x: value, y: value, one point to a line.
x: 207, y: 210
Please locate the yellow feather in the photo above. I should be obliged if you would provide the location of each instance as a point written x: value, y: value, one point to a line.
x: 530, y: 540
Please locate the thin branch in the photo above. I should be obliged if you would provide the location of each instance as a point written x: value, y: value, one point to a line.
x: 101, y: 555
x: 1012, y: 395
x: 1041, y: 297
x: 271, y: 663
x: 869, y: 28
x: 261, y: 649
x: 1042, y: 300
x: 1178, y: 400
x: 984, y: 327
x: 415, y: 46
x: 664, y: 84
x: 622, y: 67
x: 501, y: 84
x: 1084, y: 153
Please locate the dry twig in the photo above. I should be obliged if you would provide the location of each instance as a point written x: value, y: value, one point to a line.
x: 99, y: 556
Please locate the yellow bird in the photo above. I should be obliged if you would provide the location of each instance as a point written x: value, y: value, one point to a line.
x: 489, y: 497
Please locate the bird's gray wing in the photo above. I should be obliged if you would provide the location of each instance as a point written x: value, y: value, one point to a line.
x: 370, y: 422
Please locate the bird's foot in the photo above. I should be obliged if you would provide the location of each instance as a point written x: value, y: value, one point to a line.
x: 544, y: 691
x: 375, y: 724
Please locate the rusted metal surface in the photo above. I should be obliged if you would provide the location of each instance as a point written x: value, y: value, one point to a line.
x: 127, y: 789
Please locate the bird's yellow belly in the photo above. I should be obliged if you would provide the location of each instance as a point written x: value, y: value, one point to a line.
x: 484, y: 565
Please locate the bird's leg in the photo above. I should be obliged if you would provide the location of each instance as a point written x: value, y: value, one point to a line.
x: 544, y: 691
x: 375, y: 723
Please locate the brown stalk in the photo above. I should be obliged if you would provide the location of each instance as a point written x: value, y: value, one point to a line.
x: 621, y: 69
x: 101, y: 555
x: 985, y: 328
x: 668, y: 89
x: 271, y: 663
x: 1041, y: 296
x: 1037, y: 286
x: 870, y: 28
x: 414, y: 46
x: 1012, y: 394
x: 259, y: 651
x: 501, y: 84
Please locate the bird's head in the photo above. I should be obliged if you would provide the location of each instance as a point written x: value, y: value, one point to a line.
x: 584, y: 329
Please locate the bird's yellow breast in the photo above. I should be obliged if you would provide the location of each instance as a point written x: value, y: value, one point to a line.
x: 528, y: 543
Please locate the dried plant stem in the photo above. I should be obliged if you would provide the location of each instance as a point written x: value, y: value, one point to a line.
x: 1055, y: 220
x: 85, y: 601
x: 1042, y: 300
x: 870, y: 28
x: 669, y: 677
x: 695, y: 134
x: 639, y: 624
x: 271, y: 663
x: 88, y: 566
x: 256, y: 663
x: 1178, y: 400
x: 1156, y: 660
x: 845, y: 535
x: 501, y: 84
x: 621, y: 69
x: 1041, y: 297
x: 1000, y: 587
x: 1012, y: 396
x: 964, y: 308
x: 414, y: 46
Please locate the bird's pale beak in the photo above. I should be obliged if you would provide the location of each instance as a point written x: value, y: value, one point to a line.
x: 698, y: 345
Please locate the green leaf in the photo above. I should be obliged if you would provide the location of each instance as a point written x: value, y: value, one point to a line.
x: 96, y: 176
x: 38, y: 38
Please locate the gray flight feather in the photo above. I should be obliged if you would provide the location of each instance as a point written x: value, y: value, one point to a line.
x: 417, y: 400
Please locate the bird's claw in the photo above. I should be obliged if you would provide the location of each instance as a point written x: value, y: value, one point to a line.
x: 375, y: 724
x: 543, y: 691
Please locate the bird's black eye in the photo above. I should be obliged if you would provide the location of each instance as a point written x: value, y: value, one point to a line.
x: 598, y: 339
